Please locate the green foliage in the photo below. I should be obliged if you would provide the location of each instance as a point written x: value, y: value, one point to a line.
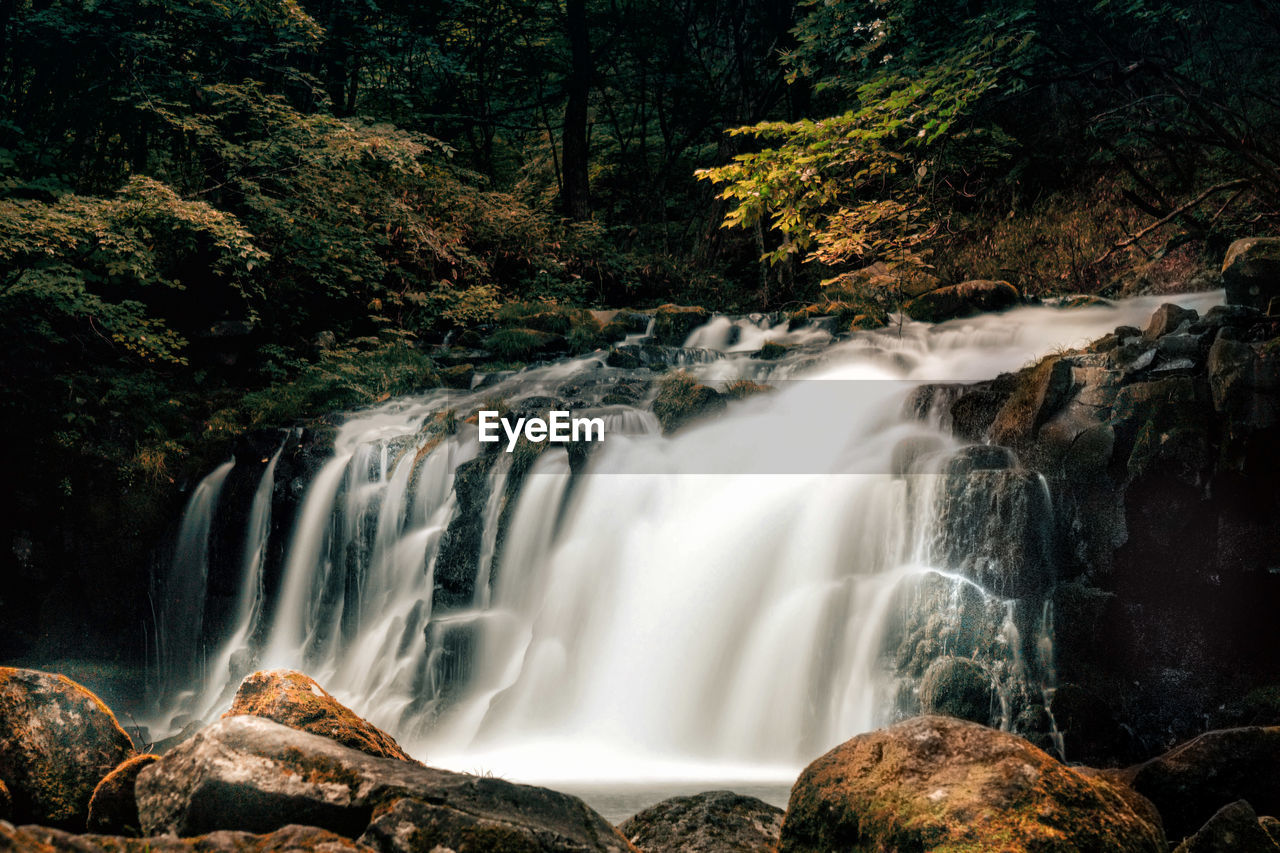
x: 365, y: 372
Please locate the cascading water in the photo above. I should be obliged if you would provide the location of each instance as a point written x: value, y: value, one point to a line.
x: 722, y: 604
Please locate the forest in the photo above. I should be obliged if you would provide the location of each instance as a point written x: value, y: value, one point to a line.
x: 225, y: 215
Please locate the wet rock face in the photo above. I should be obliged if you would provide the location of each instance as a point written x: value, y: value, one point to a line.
x: 1251, y: 272
x: 1191, y: 782
x: 253, y: 775
x: 1157, y: 449
x: 297, y: 701
x: 710, y: 822
x: 940, y: 783
x: 57, y: 741
x: 114, y: 808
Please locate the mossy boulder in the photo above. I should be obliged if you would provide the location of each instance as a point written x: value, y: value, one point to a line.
x: 545, y: 317
x: 771, y: 351
x: 962, y: 300
x: 458, y: 376
x: 624, y: 323
x: 673, y: 323
x: 1251, y: 272
x: 958, y: 687
x: 57, y: 741
x: 681, y: 400
x: 297, y: 701
x: 710, y: 822
x: 113, y: 809
x: 949, y: 786
x: 522, y: 344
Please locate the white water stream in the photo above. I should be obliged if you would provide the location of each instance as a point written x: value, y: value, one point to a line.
x: 710, y: 606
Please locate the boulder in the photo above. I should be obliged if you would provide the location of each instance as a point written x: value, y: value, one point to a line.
x: 57, y: 741
x: 1194, y: 780
x: 1251, y: 271
x: 1168, y: 318
x: 710, y: 822
x: 958, y: 687
x: 673, y: 323
x: 289, y: 839
x: 114, y: 807
x: 297, y: 701
x: 937, y: 783
x: 681, y: 399
x: 962, y: 300
x: 1233, y: 829
x: 1038, y: 393
x: 254, y: 775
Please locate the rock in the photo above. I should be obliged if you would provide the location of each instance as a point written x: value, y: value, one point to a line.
x: 458, y: 376
x: 627, y: 358
x: 1088, y: 727
x: 297, y: 701
x: 681, y: 400
x: 770, y: 351
x: 958, y: 687
x: 1271, y: 826
x: 673, y: 323
x: 1251, y: 271
x: 996, y: 528
x: 710, y: 822
x: 113, y: 809
x: 1192, y: 781
x: 1167, y: 319
x: 57, y: 740
x: 289, y: 839
x: 1233, y: 829
x: 255, y: 775
x: 962, y: 300
x: 1040, y: 391
x: 937, y: 783
x: 1082, y: 300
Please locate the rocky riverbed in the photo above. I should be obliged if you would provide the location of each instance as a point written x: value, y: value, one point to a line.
x: 290, y: 768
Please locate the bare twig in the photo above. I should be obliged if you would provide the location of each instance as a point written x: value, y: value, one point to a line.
x: 1172, y: 215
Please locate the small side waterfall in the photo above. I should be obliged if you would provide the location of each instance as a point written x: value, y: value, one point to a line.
x: 180, y: 593
x: 724, y: 603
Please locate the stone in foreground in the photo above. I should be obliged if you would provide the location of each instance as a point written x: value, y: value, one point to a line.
x: 1234, y: 829
x: 297, y: 701
x: 255, y: 775
x: 945, y: 785
x: 113, y: 807
x: 710, y: 822
x: 289, y: 839
x: 1192, y: 781
x: 57, y: 741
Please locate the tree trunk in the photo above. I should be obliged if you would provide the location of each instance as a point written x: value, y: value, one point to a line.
x: 575, y: 191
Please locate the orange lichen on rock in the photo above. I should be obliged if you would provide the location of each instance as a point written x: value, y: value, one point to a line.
x: 949, y: 786
x: 296, y: 700
x: 57, y: 741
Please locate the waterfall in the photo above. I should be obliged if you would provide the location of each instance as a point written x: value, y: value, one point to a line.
x: 181, y: 592
x: 724, y: 603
